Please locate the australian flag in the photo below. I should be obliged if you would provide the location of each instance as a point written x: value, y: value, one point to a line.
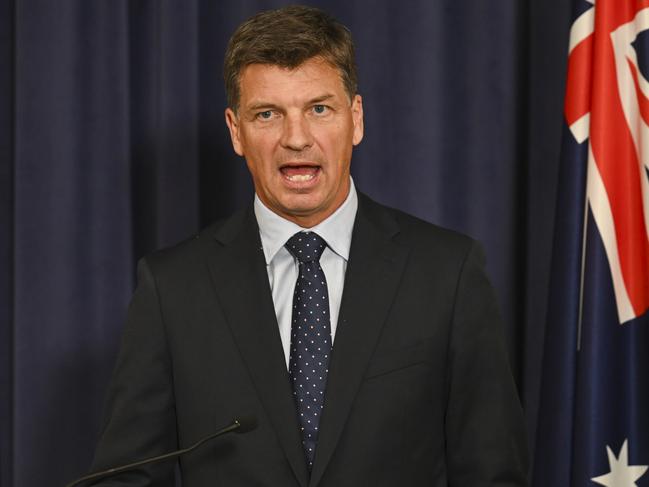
x: 593, y: 426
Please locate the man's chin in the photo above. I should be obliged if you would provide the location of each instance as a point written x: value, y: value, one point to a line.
x: 307, y: 209
x: 301, y: 203
x: 303, y: 211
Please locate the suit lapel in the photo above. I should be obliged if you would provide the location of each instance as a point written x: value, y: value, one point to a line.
x: 371, y: 280
x: 238, y: 271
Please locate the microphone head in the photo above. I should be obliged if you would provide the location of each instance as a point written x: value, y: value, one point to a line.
x: 246, y: 423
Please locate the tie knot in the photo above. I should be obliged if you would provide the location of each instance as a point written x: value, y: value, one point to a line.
x: 306, y: 246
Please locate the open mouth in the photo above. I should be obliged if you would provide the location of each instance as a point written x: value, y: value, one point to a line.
x: 300, y: 173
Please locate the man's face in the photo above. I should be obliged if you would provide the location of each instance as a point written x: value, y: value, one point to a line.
x: 296, y: 129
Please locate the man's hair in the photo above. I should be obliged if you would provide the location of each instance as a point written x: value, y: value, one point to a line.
x: 287, y: 37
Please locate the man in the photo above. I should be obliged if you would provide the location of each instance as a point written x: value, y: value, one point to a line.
x: 366, y: 342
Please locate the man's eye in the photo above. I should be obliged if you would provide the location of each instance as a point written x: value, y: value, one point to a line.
x: 319, y: 109
x: 266, y: 115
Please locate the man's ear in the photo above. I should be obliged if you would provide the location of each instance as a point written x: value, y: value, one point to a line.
x: 357, y: 118
x: 232, y: 121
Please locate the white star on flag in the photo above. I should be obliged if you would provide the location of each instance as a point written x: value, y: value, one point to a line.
x: 622, y: 474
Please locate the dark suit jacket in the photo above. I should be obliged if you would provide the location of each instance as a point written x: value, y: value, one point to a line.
x: 419, y: 391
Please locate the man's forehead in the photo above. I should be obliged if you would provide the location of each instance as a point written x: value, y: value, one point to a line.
x: 315, y: 78
x: 312, y: 61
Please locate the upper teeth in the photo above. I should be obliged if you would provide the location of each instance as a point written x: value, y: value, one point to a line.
x: 301, y: 177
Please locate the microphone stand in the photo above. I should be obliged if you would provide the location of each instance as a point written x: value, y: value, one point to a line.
x: 240, y: 425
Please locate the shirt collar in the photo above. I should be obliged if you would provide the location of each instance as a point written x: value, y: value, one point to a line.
x: 336, y: 230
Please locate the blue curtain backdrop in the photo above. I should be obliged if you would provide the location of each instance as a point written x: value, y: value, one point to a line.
x: 113, y: 144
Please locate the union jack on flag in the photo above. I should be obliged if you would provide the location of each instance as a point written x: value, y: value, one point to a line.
x: 593, y: 426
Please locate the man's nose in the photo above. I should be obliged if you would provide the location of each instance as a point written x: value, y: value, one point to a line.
x: 296, y: 133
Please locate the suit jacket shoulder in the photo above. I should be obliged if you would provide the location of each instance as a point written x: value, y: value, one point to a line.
x: 427, y: 242
x: 187, y: 255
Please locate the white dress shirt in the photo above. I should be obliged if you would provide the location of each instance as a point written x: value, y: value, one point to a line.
x: 282, y: 267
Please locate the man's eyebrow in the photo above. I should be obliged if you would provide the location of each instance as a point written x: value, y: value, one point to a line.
x: 271, y: 106
x: 262, y: 104
x: 320, y: 98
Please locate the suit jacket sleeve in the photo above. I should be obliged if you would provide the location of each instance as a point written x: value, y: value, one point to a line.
x: 486, y: 441
x: 140, y: 416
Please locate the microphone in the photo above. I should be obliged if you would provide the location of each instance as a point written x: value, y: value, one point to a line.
x: 241, y: 425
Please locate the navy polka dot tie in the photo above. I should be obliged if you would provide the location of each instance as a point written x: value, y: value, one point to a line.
x: 310, y: 337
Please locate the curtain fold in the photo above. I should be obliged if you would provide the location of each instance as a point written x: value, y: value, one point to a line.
x: 6, y: 239
x: 73, y: 255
